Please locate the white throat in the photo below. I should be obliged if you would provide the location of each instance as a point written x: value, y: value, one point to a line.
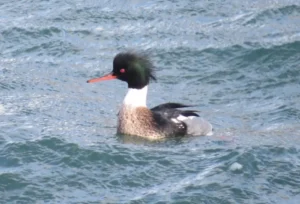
x: 136, y: 97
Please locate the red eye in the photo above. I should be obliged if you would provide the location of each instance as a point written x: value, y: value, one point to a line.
x: 122, y: 70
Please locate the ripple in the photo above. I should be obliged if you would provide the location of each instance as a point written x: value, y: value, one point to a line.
x: 275, y: 13
x: 238, y: 63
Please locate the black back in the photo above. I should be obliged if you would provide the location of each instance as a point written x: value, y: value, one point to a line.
x: 163, y: 115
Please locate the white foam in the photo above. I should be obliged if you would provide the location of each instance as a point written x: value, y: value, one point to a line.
x: 235, y: 167
x: 2, y: 109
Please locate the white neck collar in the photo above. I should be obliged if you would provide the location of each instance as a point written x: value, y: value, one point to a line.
x: 136, y: 97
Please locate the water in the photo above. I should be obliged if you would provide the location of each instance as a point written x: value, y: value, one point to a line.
x: 238, y: 61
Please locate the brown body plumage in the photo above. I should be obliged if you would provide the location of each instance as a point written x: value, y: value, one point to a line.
x: 138, y: 121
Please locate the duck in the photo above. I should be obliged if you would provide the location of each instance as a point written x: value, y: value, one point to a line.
x: 135, y: 118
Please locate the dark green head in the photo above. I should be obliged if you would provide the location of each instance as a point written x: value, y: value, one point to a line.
x: 135, y: 69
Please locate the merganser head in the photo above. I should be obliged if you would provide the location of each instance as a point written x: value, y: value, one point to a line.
x: 135, y: 69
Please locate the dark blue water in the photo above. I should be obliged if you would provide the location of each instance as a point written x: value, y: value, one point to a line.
x: 238, y: 61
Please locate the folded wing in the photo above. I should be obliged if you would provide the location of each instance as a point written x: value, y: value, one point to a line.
x: 176, y: 122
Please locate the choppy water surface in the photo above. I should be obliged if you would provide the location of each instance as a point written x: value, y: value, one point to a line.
x: 237, y: 60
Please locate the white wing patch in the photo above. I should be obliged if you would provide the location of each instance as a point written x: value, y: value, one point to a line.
x: 178, y: 121
x: 174, y: 120
x: 183, y: 118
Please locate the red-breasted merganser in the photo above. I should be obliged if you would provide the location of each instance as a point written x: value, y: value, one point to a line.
x: 162, y: 121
